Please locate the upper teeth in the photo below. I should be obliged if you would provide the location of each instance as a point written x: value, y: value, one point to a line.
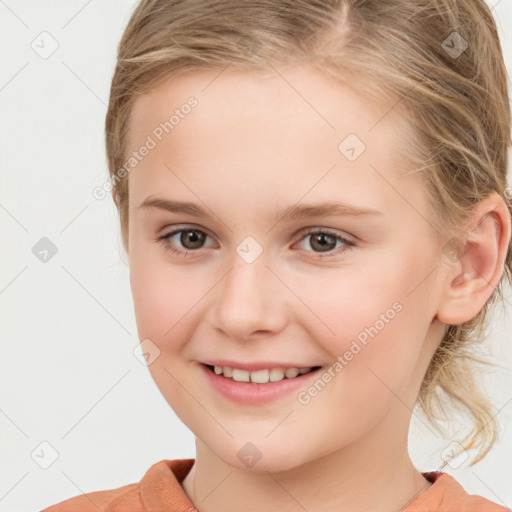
x: 259, y: 376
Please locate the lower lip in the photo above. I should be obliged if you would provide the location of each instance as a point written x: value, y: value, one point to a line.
x: 252, y: 393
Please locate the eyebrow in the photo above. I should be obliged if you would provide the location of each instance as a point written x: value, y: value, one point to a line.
x: 294, y: 212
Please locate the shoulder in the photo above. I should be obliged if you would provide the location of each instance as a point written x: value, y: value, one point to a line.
x: 160, y: 486
x: 447, y: 495
x: 98, y: 500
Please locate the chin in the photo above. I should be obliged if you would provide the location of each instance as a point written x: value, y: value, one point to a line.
x: 271, y: 465
x: 261, y: 457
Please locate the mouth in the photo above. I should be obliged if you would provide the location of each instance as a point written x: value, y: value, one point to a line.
x: 258, y: 383
x: 262, y: 376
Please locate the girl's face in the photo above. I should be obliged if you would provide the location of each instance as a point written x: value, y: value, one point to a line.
x: 269, y: 159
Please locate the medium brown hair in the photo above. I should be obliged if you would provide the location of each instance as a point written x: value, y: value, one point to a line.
x: 438, y: 61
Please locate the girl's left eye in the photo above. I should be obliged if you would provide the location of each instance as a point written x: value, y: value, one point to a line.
x: 193, y: 239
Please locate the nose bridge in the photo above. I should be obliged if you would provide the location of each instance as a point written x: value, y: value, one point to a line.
x: 247, y: 298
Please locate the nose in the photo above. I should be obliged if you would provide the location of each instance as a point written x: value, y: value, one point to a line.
x: 250, y: 300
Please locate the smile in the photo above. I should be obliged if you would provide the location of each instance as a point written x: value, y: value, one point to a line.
x: 257, y: 386
x: 260, y: 376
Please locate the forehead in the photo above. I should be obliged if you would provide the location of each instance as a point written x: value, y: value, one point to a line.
x: 302, y: 93
x: 269, y: 126
x: 291, y: 94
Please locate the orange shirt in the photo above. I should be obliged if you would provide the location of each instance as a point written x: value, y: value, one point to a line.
x: 160, y: 490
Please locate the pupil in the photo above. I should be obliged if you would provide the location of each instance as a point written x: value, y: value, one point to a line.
x: 322, y: 240
x: 192, y: 236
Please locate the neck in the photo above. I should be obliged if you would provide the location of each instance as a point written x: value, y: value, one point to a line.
x: 371, y: 475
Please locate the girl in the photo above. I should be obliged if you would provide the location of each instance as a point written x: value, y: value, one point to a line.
x: 312, y: 197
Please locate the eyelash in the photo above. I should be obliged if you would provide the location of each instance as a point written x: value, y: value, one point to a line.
x: 348, y: 244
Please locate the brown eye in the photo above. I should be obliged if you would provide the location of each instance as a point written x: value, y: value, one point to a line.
x: 183, y: 241
x: 192, y: 238
x: 322, y: 241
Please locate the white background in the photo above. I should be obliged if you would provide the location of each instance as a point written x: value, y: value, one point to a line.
x: 68, y: 373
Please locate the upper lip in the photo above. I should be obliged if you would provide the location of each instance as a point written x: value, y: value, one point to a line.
x: 256, y: 365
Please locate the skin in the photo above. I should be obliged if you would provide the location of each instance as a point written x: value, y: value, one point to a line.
x: 252, y: 147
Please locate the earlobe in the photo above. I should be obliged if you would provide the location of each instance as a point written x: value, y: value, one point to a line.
x: 474, y: 274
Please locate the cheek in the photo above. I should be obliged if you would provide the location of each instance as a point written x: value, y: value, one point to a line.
x: 166, y: 301
x: 163, y: 295
x: 342, y: 303
x: 372, y: 320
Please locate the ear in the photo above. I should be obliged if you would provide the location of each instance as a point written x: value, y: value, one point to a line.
x: 473, y: 274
